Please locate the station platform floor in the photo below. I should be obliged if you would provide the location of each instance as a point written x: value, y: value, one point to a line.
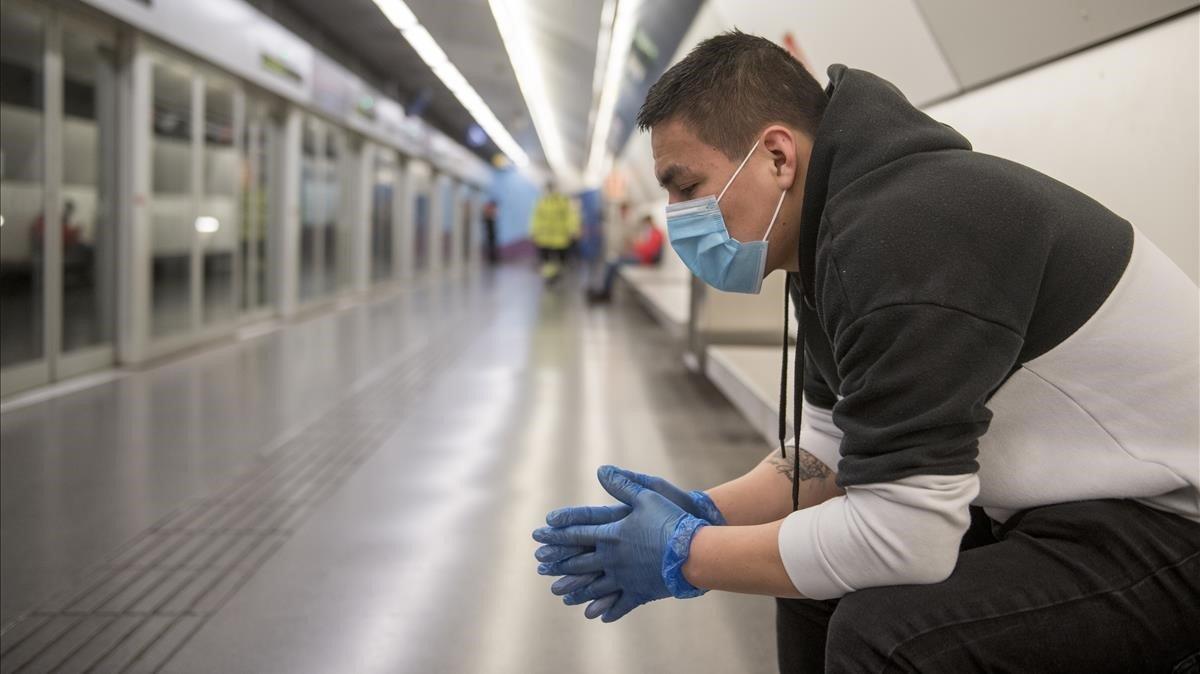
x: 355, y: 492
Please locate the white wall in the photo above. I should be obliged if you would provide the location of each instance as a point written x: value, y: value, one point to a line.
x: 1120, y: 122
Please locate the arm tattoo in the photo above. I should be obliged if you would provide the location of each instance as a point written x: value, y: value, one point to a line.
x: 810, y: 467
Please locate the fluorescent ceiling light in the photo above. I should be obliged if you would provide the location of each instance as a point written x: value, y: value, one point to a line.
x: 608, y: 12
x: 207, y: 224
x: 398, y: 13
x: 400, y: 16
x: 513, y: 25
x: 427, y: 48
x: 623, y: 27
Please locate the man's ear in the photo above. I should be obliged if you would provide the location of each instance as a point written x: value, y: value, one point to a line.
x: 784, y: 146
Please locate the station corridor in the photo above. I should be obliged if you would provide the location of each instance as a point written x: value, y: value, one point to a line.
x: 312, y: 312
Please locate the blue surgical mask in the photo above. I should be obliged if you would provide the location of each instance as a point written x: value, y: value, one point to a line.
x: 699, y: 235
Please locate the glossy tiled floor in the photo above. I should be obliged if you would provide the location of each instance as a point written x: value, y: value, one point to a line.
x: 355, y: 492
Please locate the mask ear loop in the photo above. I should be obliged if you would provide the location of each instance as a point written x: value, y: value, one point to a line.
x: 774, y: 215
x: 739, y: 170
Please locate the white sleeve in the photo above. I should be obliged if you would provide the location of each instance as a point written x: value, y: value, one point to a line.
x: 819, y: 436
x: 892, y: 533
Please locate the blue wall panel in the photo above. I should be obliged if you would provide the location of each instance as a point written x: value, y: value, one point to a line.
x: 515, y: 196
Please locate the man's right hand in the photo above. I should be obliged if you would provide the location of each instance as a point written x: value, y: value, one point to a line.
x: 695, y: 503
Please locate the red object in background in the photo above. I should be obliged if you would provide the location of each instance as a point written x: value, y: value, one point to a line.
x: 793, y: 47
x: 70, y: 232
x: 648, y: 247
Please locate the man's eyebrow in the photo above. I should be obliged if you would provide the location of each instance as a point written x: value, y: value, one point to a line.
x: 667, y: 177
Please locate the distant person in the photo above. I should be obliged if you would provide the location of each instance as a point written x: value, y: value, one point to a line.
x: 489, y: 232
x: 644, y: 248
x: 554, y: 227
x: 71, y: 233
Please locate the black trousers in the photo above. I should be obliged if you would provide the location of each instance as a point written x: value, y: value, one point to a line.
x: 1092, y: 586
x: 547, y: 254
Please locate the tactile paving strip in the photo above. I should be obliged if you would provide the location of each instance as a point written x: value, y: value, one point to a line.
x: 133, y: 612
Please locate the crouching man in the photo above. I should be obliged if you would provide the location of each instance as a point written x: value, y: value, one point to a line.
x: 975, y: 337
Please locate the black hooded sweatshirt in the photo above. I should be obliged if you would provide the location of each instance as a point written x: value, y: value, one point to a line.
x: 971, y: 330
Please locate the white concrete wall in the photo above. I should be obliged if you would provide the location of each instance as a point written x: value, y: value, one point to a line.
x: 1120, y: 122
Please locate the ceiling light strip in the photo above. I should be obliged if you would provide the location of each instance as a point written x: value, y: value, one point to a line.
x: 400, y: 16
x: 623, y: 29
x: 608, y: 13
x: 513, y: 24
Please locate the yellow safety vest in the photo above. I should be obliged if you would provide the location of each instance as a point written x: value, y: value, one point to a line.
x: 555, y: 223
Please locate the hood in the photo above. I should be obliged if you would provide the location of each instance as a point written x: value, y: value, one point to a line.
x: 867, y: 124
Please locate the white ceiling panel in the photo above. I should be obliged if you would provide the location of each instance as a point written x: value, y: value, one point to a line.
x: 985, y: 40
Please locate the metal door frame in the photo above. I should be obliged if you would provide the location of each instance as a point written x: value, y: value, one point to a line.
x: 272, y: 127
x: 199, y: 74
x: 386, y: 156
x: 53, y: 364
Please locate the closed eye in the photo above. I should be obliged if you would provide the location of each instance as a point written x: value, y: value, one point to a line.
x: 687, y: 191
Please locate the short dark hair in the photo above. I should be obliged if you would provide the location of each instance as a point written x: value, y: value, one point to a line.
x: 731, y: 86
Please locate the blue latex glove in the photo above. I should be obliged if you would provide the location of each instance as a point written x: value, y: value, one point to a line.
x: 572, y: 585
x: 565, y: 517
x: 695, y: 503
x: 640, y: 555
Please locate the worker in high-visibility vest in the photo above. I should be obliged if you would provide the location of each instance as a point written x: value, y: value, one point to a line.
x: 553, y: 228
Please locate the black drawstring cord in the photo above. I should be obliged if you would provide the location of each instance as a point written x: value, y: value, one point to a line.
x: 797, y: 404
x: 797, y: 391
x: 784, y: 371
